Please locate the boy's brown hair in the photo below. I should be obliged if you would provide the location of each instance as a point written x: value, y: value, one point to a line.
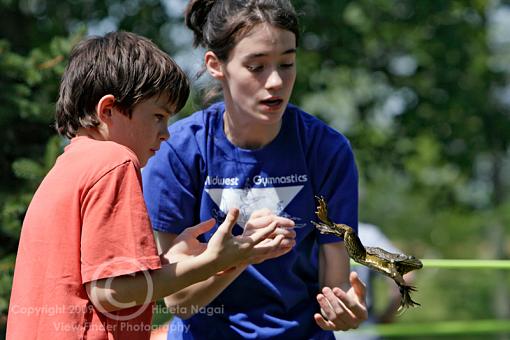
x: 124, y: 64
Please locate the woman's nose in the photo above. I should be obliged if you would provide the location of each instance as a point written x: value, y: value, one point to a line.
x: 274, y: 80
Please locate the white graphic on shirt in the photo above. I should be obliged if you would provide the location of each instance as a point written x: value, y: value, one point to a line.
x: 251, y: 199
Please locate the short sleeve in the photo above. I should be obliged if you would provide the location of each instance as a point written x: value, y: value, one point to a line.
x: 116, y: 236
x: 372, y: 236
x: 336, y: 179
x: 170, y: 182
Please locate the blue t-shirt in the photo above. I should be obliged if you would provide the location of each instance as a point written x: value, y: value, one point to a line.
x: 198, y: 174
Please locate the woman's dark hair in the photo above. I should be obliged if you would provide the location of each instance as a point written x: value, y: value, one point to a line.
x: 126, y: 65
x: 218, y: 25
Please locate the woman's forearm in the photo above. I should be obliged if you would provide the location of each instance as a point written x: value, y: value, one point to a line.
x: 334, y: 266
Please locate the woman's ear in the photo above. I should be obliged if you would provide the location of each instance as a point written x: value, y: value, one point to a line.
x: 105, y: 107
x: 213, y: 65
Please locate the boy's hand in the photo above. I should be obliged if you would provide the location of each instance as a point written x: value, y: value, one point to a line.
x: 342, y: 310
x: 231, y: 251
x: 266, y: 236
x: 186, y: 244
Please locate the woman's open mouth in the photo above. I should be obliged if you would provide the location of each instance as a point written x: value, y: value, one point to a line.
x: 272, y: 103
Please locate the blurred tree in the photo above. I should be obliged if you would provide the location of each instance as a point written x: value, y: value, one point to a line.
x: 415, y: 86
x: 419, y: 87
x: 28, y: 86
x: 35, y: 38
x: 408, y: 71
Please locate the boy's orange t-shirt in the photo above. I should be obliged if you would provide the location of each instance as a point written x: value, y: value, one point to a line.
x: 87, y: 221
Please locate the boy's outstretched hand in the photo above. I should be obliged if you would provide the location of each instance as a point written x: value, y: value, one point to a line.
x: 186, y: 244
x: 342, y: 310
x: 264, y: 238
x: 232, y: 251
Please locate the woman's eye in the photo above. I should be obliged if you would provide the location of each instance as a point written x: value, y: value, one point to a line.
x: 254, y: 68
x: 287, y: 65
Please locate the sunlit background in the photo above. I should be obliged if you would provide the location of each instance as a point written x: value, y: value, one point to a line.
x: 421, y: 89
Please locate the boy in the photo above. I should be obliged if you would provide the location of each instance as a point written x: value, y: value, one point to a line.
x: 87, y: 264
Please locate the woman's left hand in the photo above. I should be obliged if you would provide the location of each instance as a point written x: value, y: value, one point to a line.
x: 342, y: 310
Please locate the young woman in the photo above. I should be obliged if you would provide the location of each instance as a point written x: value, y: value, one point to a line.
x: 255, y: 150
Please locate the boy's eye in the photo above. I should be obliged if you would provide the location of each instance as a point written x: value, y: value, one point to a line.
x: 159, y: 117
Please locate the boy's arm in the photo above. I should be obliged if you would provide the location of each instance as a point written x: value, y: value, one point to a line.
x: 190, y: 299
x: 132, y: 290
x: 199, y: 294
x: 342, y: 298
x: 223, y: 252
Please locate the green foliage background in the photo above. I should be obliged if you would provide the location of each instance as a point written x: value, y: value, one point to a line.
x: 421, y: 88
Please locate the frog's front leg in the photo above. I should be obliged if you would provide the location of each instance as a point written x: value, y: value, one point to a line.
x: 322, y: 211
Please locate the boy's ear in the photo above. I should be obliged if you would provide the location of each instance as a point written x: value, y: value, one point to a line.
x: 105, y: 107
x: 213, y: 65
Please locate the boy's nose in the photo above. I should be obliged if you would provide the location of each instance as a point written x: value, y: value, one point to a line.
x: 164, y: 134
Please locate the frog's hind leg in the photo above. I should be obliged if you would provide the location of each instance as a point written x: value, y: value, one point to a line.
x: 406, y: 300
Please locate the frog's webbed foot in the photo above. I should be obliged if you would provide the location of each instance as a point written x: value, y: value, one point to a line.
x: 406, y: 301
x: 322, y: 211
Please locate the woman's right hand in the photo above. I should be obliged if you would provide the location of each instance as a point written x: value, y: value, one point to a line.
x: 282, y: 239
x: 266, y: 236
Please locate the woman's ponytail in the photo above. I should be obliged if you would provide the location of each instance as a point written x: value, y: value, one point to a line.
x: 196, y: 17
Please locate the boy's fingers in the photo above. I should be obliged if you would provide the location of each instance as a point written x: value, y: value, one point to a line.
x: 230, y: 221
x: 202, y: 227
